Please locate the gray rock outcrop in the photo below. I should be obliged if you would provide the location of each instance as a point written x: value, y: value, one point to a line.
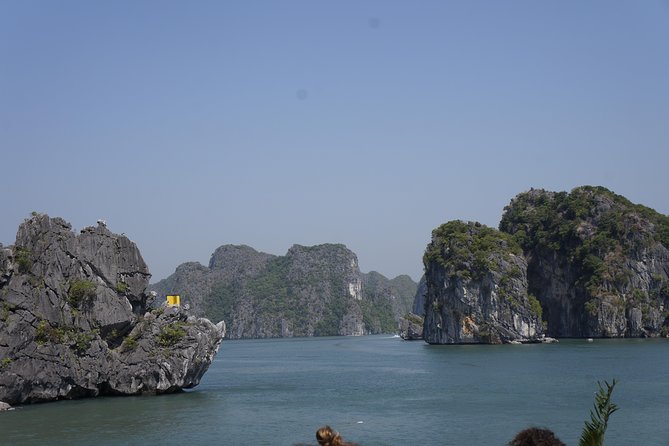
x: 477, y: 288
x: 75, y: 322
x: 411, y: 327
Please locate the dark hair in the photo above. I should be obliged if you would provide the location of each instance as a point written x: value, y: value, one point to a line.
x: 326, y: 436
x: 535, y: 436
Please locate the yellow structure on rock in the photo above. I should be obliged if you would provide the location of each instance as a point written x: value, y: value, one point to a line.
x: 174, y: 300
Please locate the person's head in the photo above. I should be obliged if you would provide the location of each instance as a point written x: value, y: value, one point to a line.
x: 535, y: 436
x: 328, y: 437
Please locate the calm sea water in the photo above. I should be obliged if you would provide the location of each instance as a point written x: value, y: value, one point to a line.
x: 376, y: 390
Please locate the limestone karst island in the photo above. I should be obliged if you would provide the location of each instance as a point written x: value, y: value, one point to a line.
x: 585, y: 264
x: 77, y: 317
x: 75, y: 320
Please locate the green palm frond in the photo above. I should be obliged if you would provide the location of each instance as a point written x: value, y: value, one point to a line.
x: 593, y: 431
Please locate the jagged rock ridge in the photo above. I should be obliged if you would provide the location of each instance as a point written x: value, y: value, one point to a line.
x: 74, y: 319
x: 311, y: 291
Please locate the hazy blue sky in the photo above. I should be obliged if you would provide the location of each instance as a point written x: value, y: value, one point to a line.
x: 188, y: 125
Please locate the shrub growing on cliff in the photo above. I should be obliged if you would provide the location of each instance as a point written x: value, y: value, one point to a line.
x: 130, y: 342
x: 171, y: 334
x: 81, y: 340
x: 5, y: 363
x: 535, y: 305
x: 78, y: 340
x: 44, y: 333
x: 122, y: 287
x: 24, y: 260
x: 80, y: 292
x: 413, y: 318
x: 6, y: 309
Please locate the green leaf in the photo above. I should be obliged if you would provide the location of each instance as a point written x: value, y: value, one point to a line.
x: 594, y: 430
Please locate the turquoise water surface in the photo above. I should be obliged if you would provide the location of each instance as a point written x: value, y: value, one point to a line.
x: 376, y: 390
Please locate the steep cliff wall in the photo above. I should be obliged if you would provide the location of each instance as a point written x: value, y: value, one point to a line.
x: 598, y: 263
x: 74, y: 319
x: 311, y: 291
x: 477, y: 288
x: 418, y: 306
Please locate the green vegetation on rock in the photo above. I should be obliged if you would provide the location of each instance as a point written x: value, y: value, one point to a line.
x: 476, y: 282
x: 79, y: 340
x: 220, y: 304
x: 331, y: 320
x: 591, y: 227
x: 44, y: 333
x: 171, y: 334
x: 122, y: 287
x: 377, y: 315
x: 598, y: 250
x: 535, y: 305
x: 24, y: 260
x: 468, y: 249
x: 270, y: 292
x: 64, y: 314
x: 130, y: 342
x: 80, y: 292
x: 311, y: 291
x: 5, y: 363
x: 413, y: 318
x: 6, y: 309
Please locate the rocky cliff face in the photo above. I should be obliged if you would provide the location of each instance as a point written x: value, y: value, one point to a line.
x: 598, y: 263
x: 477, y: 288
x: 311, y: 291
x: 418, y: 306
x: 74, y: 319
